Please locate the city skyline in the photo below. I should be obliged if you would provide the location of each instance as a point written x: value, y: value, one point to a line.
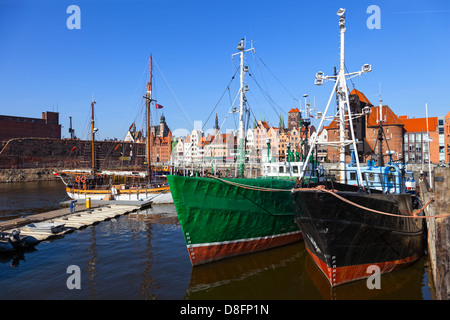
x: 49, y: 67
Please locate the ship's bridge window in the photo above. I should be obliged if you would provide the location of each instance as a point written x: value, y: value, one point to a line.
x: 391, y: 177
x: 352, y: 175
x: 295, y: 169
x: 281, y: 169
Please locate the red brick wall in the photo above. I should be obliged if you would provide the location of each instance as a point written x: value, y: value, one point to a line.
x: 394, y: 135
x: 20, y: 127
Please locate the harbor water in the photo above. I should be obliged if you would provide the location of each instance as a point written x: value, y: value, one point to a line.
x: 142, y: 255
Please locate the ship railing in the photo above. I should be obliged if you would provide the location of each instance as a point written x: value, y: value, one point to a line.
x: 388, y: 183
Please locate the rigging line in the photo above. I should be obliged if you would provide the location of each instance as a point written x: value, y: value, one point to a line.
x: 257, y: 103
x: 260, y: 73
x: 268, y: 98
x: 345, y: 66
x: 177, y: 102
x: 218, y: 102
x: 134, y: 97
x: 278, y: 80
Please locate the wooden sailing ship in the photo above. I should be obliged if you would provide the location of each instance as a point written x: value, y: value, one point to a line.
x: 99, y: 184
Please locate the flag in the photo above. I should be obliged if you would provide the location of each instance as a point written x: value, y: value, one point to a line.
x: 311, y: 116
x: 427, y: 138
x: 158, y: 106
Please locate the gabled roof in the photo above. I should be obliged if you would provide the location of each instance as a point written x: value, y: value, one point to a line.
x: 293, y: 110
x: 361, y: 96
x: 389, y: 117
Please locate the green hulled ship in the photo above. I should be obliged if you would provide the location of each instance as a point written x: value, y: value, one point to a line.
x: 221, y: 218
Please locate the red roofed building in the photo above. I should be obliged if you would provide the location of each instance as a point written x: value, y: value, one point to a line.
x: 160, y: 142
x: 393, y: 132
x: 415, y: 139
x: 358, y: 101
x: 294, y: 119
x: 367, y: 131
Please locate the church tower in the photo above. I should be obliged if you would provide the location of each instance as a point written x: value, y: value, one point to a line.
x: 294, y: 119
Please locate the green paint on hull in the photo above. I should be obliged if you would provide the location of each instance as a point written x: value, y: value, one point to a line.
x: 214, y: 211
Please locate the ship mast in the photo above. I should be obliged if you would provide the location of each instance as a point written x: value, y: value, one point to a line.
x: 344, y: 113
x: 148, y: 100
x: 242, y: 90
x: 93, y: 130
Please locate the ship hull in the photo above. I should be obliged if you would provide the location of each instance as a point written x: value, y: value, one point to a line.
x: 346, y: 242
x: 160, y: 195
x: 220, y: 219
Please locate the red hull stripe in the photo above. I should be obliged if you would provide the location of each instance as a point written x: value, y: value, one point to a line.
x: 340, y: 275
x: 200, y: 254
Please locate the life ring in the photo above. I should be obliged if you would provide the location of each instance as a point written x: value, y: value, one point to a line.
x: 83, y: 179
x: 77, y: 179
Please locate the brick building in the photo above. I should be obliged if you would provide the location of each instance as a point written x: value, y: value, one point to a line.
x: 366, y: 130
x: 392, y: 135
x: 416, y: 145
x: 160, y: 142
x: 21, y: 127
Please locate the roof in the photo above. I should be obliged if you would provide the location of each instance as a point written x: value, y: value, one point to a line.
x: 389, y: 117
x: 264, y: 124
x: 420, y: 124
x: 293, y: 110
x: 361, y: 96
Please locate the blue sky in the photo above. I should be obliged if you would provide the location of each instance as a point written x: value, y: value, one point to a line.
x: 44, y: 66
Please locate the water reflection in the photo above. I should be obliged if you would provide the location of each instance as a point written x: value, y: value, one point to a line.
x: 25, y: 198
x: 290, y: 273
x: 14, y: 258
x: 143, y: 256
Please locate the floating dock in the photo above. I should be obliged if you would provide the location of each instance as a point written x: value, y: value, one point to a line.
x: 73, y: 220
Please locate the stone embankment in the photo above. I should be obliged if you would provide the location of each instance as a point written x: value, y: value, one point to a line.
x: 26, y: 175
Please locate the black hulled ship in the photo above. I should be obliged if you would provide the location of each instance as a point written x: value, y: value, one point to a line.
x: 345, y: 241
x: 352, y: 230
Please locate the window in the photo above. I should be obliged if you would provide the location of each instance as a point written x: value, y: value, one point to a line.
x: 406, y: 138
x: 441, y: 122
x: 418, y: 148
x: 391, y: 177
x: 281, y: 169
x: 295, y: 169
x: 418, y: 137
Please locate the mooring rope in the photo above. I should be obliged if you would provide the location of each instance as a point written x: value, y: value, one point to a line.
x: 322, y: 188
x: 410, y: 214
x: 246, y: 186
